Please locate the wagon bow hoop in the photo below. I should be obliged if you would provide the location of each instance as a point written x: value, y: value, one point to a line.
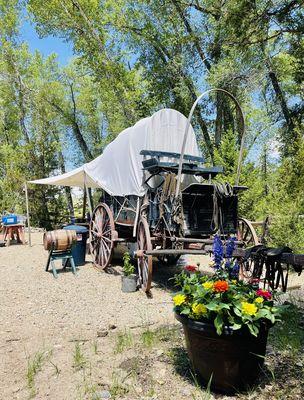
x: 187, y: 131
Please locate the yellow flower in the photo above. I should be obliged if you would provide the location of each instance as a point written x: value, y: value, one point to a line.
x: 259, y: 300
x: 207, y: 285
x: 249, y: 308
x: 211, y: 264
x: 199, y: 309
x: 179, y: 299
x: 234, y: 281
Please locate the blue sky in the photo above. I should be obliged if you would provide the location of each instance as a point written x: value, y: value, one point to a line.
x: 45, y: 45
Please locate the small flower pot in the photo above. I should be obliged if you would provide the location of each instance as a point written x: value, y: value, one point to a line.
x: 129, y: 283
x: 232, y: 360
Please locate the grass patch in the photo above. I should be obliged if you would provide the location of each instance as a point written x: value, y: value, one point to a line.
x: 95, y: 347
x: 56, y: 368
x: 78, y: 358
x: 118, y: 388
x: 288, y: 335
x: 150, y: 338
x: 34, y: 365
x: 124, y: 340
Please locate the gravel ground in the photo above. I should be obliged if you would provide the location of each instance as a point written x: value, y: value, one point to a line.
x: 39, y: 312
x: 73, y: 337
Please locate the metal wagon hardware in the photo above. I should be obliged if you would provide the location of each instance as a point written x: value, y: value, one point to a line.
x: 159, y: 195
x: 176, y: 207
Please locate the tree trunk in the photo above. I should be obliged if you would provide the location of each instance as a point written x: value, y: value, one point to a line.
x: 128, y: 112
x: 281, y: 99
x: 67, y: 189
x: 192, y: 34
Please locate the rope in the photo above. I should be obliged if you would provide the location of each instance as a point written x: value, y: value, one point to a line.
x: 220, y: 191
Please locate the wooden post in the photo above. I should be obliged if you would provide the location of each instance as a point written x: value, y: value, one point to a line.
x: 84, y: 202
x: 88, y: 195
x: 28, y: 215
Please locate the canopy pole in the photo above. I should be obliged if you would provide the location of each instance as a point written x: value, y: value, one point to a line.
x: 88, y: 195
x: 84, y: 202
x: 136, y: 216
x: 28, y: 215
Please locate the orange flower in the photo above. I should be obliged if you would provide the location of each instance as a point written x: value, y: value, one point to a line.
x: 220, y: 286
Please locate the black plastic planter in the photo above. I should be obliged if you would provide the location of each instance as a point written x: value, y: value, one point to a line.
x: 234, y: 359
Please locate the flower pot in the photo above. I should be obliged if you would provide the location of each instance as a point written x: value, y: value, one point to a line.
x: 233, y: 359
x: 129, y: 283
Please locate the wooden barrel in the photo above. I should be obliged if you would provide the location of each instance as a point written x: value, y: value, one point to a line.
x: 61, y: 239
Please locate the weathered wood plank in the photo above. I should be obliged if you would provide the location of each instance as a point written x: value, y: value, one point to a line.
x: 154, y: 153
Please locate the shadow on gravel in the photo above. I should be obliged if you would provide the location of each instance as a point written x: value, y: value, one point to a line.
x: 163, y: 275
x: 181, y: 363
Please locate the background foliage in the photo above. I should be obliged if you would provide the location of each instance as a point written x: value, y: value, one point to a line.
x: 132, y: 58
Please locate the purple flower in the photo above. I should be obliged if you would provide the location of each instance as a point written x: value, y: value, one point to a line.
x: 230, y: 247
x: 218, y: 252
x: 234, y: 271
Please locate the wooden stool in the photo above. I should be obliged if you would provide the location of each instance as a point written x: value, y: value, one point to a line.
x: 60, y: 255
x: 10, y: 231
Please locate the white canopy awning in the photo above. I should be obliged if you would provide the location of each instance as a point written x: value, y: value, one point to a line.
x: 119, y: 169
x: 76, y: 178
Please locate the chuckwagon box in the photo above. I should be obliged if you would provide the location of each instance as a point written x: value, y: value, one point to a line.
x: 9, y: 219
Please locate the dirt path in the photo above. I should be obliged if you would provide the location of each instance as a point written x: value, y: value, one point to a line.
x: 39, y: 313
x: 73, y: 337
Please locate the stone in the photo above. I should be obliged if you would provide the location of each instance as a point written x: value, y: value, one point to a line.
x: 162, y: 372
x: 159, y: 352
x: 112, y: 326
x: 186, y: 392
x: 104, y: 394
x: 102, y: 333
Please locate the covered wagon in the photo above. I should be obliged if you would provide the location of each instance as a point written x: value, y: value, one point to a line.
x: 165, y: 203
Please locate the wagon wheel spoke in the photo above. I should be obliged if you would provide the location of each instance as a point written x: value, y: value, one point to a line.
x: 101, y: 236
x: 95, y: 245
x: 247, y: 234
x: 106, y: 232
x: 144, y: 261
x: 105, y: 245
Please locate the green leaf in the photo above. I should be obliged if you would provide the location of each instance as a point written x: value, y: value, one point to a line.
x: 185, y: 311
x: 254, y: 330
x: 237, y: 312
x: 262, y: 314
x: 236, y: 326
x: 224, y: 306
x: 212, y: 306
x: 218, y: 323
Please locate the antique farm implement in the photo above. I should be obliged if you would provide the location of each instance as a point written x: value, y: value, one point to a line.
x: 179, y: 206
x: 159, y: 196
x: 168, y: 202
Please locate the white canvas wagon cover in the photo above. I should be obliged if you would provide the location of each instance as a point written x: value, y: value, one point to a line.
x: 119, y: 169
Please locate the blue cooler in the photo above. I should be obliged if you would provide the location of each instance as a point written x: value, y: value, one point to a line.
x: 9, y: 219
x: 79, y: 248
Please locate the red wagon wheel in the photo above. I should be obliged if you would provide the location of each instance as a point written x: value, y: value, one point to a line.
x: 246, y: 233
x: 102, y: 234
x: 144, y: 261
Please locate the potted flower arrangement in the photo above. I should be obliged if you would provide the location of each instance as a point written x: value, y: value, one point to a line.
x: 225, y: 321
x: 129, y: 278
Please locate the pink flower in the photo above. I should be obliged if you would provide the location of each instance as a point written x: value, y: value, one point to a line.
x: 190, y: 268
x: 264, y: 293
